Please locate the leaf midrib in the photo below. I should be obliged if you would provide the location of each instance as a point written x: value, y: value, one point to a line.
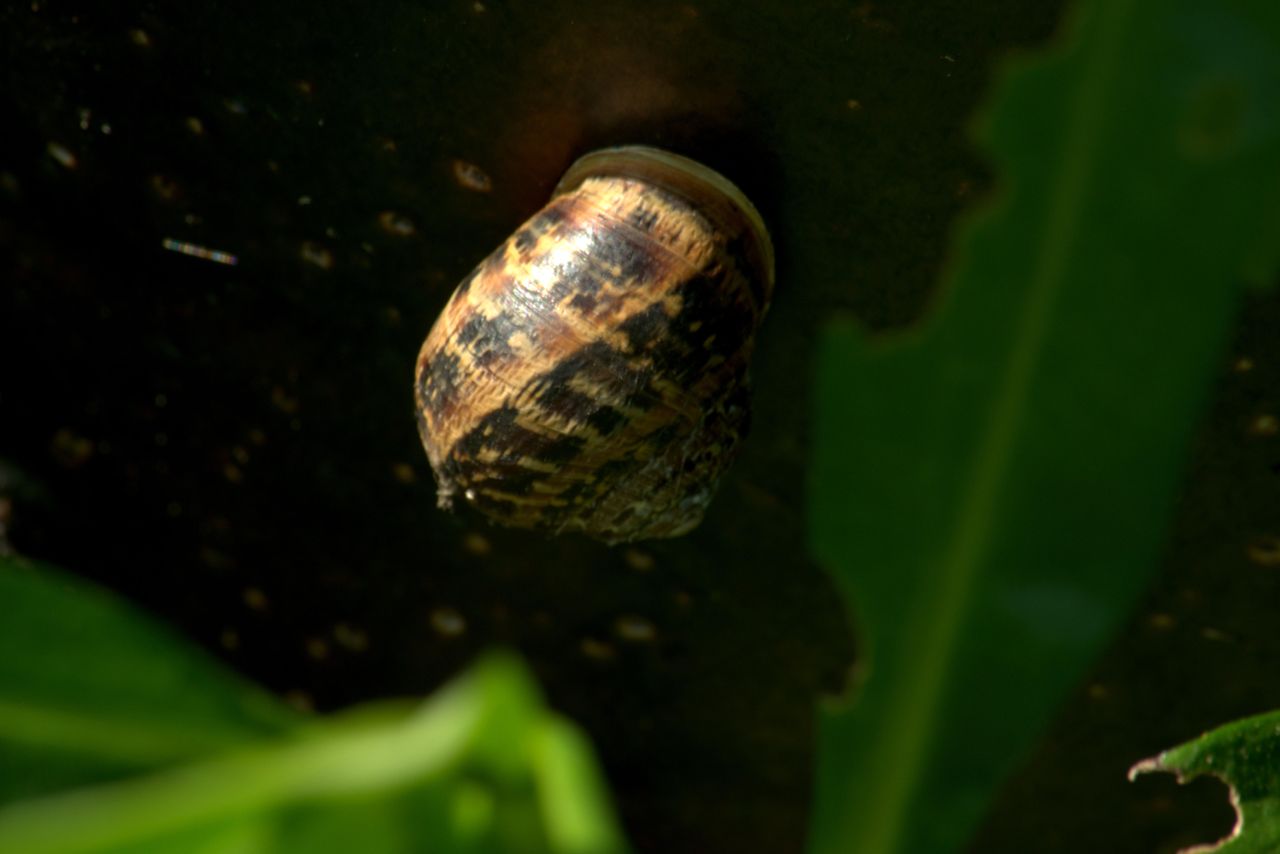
x: 905, y: 742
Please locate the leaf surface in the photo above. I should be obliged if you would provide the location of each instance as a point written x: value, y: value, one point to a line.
x: 992, y: 489
x: 154, y: 747
x: 91, y: 689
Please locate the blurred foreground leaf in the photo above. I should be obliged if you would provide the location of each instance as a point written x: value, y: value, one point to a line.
x: 1246, y: 756
x: 992, y: 489
x: 481, y: 767
x: 90, y: 689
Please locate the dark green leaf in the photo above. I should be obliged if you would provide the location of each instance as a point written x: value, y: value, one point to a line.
x: 91, y: 689
x: 992, y: 489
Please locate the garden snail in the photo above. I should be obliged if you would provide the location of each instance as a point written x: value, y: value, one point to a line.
x: 591, y: 374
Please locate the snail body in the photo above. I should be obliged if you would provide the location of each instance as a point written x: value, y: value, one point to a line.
x: 591, y: 374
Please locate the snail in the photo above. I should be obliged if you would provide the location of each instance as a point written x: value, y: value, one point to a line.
x: 590, y: 375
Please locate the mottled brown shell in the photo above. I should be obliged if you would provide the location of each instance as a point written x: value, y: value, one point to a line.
x: 591, y: 374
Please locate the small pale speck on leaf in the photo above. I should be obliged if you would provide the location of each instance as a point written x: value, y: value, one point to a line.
x: 396, y: 223
x: 447, y: 622
x: 597, y: 650
x: 476, y: 544
x: 62, y: 155
x: 300, y: 700
x: 350, y: 638
x: 216, y: 560
x: 255, y: 599
x: 1264, y: 550
x: 165, y: 188
x: 317, y: 649
x: 284, y: 401
x: 635, y: 629
x: 1264, y: 425
x: 70, y: 449
x: 639, y: 561
x: 471, y: 177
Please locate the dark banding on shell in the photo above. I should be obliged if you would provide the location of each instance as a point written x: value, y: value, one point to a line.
x: 591, y: 374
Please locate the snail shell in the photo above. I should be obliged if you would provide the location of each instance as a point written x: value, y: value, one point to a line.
x: 591, y: 374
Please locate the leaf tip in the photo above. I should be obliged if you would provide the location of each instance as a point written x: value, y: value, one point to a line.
x: 1152, y: 764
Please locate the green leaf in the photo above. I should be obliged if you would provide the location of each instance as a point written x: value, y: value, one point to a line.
x: 571, y: 791
x: 90, y: 689
x: 481, y: 767
x: 1246, y: 756
x: 992, y: 489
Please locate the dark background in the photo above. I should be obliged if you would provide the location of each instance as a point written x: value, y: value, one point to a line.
x: 234, y: 446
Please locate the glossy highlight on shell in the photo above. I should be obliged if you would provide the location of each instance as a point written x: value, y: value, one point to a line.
x: 590, y: 375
